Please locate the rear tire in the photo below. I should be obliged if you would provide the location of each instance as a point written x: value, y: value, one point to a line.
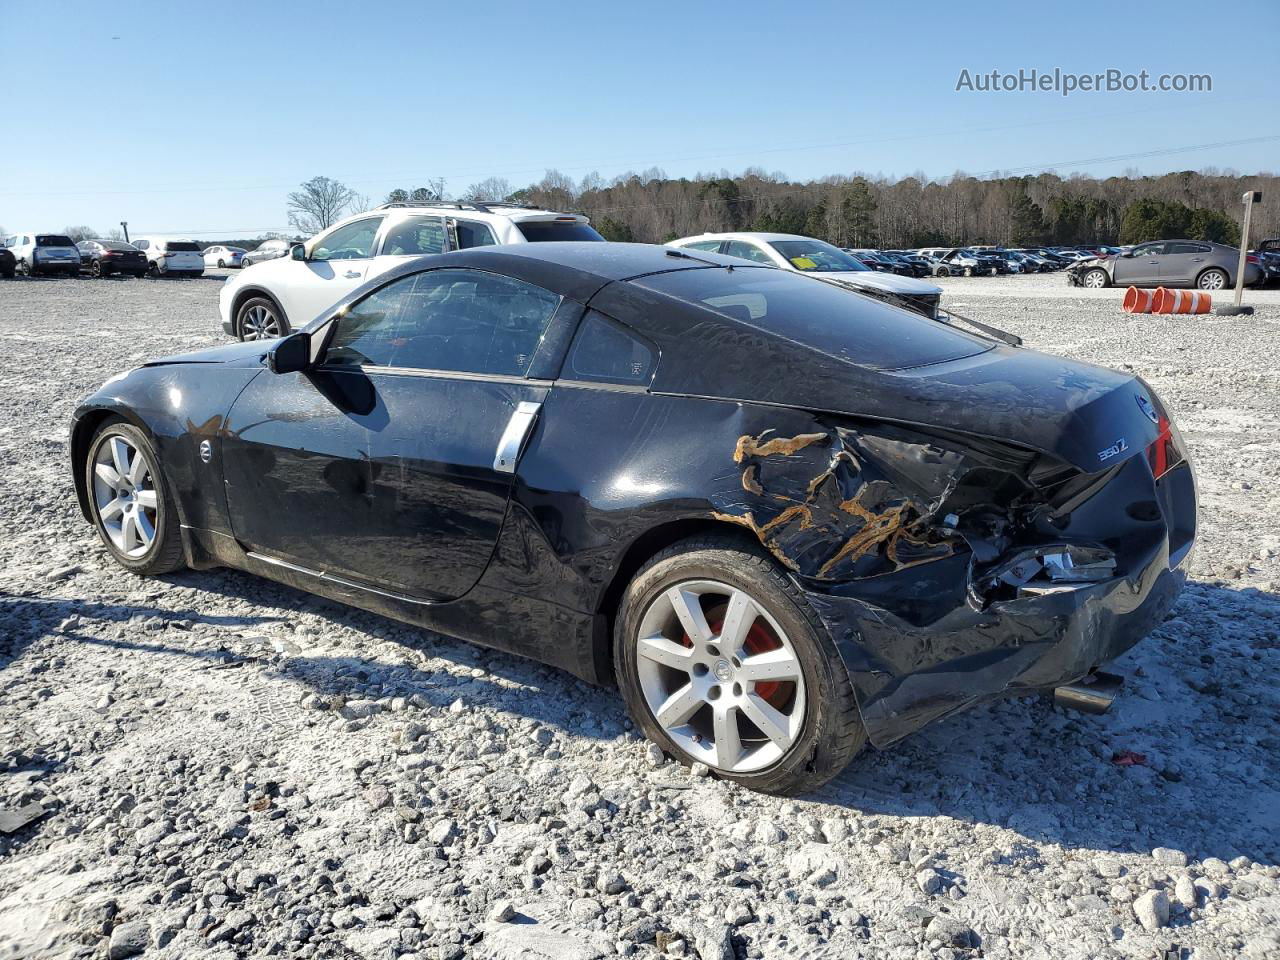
x: 96, y: 271
x: 222, y: 265
x: 819, y: 730
x: 135, y: 499
x: 1213, y: 279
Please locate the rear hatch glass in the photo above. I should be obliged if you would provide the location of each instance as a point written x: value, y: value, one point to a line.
x: 822, y: 315
x: 182, y: 246
x: 540, y: 231
x: 53, y: 240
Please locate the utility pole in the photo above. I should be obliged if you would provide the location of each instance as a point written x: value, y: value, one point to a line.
x: 1250, y: 198
x: 124, y: 225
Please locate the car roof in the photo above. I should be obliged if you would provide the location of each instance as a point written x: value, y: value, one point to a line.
x: 746, y: 235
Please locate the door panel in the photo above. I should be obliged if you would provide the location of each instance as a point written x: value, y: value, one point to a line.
x: 385, y: 478
x: 337, y: 264
x: 1143, y: 267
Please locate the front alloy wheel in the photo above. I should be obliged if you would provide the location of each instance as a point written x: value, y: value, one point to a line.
x: 132, y: 512
x: 1095, y: 279
x: 259, y: 320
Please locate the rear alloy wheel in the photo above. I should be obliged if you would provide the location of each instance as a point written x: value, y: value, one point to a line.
x: 259, y: 319
x: 1095, y: 279
x: 222, y: 265
x: 132, y: 510
x: 95, y: 269
x: 722, y: 661
x: 1213, y: 279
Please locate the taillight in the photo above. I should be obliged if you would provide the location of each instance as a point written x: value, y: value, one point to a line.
x: 1252, y: 259
x: 1163, y: 453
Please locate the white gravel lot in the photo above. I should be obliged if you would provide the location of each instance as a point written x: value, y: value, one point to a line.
x: 219, y: 766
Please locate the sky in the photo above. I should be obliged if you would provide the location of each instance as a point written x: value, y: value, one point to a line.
x: 199, y: 123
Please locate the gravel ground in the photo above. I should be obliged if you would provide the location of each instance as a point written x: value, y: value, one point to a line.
x: 218, y: 766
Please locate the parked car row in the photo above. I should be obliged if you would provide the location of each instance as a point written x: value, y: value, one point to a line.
x: 55, y: 254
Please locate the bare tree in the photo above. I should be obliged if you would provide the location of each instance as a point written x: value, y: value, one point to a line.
x: 359, y: 203
x: 114, y: 234
x: 318, y: 204
x: 81, y: 232
x: 493, y: 188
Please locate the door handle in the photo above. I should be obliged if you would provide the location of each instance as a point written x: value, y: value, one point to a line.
x: 1197, y: 259
x: 513, y: 438
x: 352, y: 274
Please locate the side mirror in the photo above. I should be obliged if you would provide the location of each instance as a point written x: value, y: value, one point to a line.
x: 291, y: 354
x: 298, y: 252
x: 1126, y: 253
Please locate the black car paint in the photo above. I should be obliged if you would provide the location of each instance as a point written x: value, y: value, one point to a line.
x: 842, y: 472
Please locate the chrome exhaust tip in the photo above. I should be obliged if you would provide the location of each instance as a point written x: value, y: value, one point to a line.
x: 1091, y: 694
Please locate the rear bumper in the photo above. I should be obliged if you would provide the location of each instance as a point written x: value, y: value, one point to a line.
x: 908, y: 671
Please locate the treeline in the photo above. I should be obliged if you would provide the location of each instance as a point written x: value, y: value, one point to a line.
x: 859, y: 211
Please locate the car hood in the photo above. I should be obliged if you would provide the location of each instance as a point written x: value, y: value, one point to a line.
x: 250, y: 352
x: 889, y: 282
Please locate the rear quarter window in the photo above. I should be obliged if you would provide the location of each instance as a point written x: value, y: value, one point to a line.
x: 540, y: 231
x: 605, y: 351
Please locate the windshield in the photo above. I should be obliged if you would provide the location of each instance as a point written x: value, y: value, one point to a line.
x: 826, y: 316
x: 810, y: 256
x: 540, y: 231
x: 53, y: 240
x: 123, y: 247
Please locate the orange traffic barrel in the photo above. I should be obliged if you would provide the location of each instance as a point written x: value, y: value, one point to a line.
x: 1137, y: 301
x: 1181, y: 301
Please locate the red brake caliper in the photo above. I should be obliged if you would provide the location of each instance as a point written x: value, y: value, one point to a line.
x: 759, y: 640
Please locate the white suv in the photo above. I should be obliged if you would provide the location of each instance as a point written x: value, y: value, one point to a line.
x: 171, y: 257
x: 280, y: 295
x: 37, y: 253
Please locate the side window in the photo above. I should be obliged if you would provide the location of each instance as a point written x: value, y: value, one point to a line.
x: 464, y: 321
x: 1187, y: 248
x: 351, y: 242
x: 747, y: 251
x: 1149, y: 250
x: 604, y: 351
x: 711, y: 246
x: 473, y: 234
x: 141, y: 244
x: 414, y: 237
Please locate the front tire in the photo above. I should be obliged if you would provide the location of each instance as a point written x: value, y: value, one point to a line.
x: 1213, y: 279
x: 1095, y: 279
x: 721, y: 660
x: 129, y: 500
x: 259, y: 318
x: 222, y: 265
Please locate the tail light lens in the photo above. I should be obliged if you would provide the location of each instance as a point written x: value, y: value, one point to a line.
x: 1252, y: 259
x: 1166, y: 451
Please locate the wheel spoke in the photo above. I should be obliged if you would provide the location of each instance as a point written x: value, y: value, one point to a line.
x: 146, y: 531
x: 666, y: 652
x: 120, y: 456
x: 738, y: 618
x: 108, y: 475
x: 779, y: 664
x: 771, y: 723
x: 728, y: 742
x: 679, y: 707
x: 128, y: 532
x: 147, y: 498
x: 111, y: 509
x: 137, y: 469
x: 689, y: 610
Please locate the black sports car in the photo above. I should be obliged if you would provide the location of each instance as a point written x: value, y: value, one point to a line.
x: 787, y: 518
